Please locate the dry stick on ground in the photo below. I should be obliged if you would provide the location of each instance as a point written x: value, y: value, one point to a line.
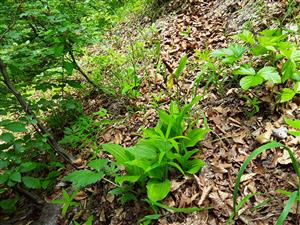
x: 39, y: 127
x: 80, y: 70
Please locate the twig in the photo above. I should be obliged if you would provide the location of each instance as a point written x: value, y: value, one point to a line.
x: 80, y: 70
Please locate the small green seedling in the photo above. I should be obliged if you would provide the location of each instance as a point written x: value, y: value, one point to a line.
x: 66, y: 202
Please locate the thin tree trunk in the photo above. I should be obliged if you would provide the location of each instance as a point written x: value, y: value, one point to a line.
x: 39, y: 127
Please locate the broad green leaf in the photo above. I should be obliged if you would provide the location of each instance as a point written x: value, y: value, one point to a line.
x: 181, y: 66
x: 83, y: 178
x: 31, y: 182
x: 144, y: 164
x: 270, y: 73
x: 28, y: 166
x: 258, y: 50
x: 7, y: 137
x: 231, y: 54
x: 286, y: 95
x: 287, y: 208
x: 3, y: 164
x: 131, y: 179
x: 98, y: 164
x: 251, y: 81
x: 297, y: 87
x: 16, y: 176
x: 288, y: 70
x: 158, y: 190
x: 245, y: 70
x: 195, y: 165
x: 195, y: 136
x: 143, y: 150
x: 69, y: 67
x: 127, y: 197
x: 246, y: 36
x: 3, y: 178
x: 238, y: 50
x: 74, y: 84
x: 118, y: 152
x: 293, y: 123
x: 9, y: 204
x: 15, y: 127
x: 58, y: 50
x: 296, y: 55
x: 295, y: 133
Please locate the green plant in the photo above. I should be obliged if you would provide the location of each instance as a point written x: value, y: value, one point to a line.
x: 292, y: 198
x: 162, y: 149
x: 88, y: 222
x: 82, y: 131
x: 294, y: 124
x: 275, y: 60
x: 18, y: 160
x: 147, y: 220
x: 252, y: 105
x: 66, y: 202
x: 83, y: 178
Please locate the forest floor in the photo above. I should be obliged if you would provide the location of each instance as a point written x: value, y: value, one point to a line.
x: 184, y: 27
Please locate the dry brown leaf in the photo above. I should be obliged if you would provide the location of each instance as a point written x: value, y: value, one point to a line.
x: 247, y: 177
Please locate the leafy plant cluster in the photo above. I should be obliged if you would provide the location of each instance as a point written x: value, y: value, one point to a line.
x: 272, y: 59
x: 167, y: 147
x: 166, y: 150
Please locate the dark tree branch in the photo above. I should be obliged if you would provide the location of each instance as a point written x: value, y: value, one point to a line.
x: 80, y: 70
x: 39, y: 127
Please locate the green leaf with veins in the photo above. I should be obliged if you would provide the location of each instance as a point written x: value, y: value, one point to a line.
x: 245, y: 70
x: 270, y: 73
x: 287, y: 94
x: 15, y: 127
x: 31, y: 182
x: 83, y: 178
x: 98, y: 164
x: 288, y: 70
x: 251, y: 81
x: 158, y: 190
x: 246, y: 36
x: 7, y: 137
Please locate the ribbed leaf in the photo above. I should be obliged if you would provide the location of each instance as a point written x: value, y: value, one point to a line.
x: 158, y: 190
